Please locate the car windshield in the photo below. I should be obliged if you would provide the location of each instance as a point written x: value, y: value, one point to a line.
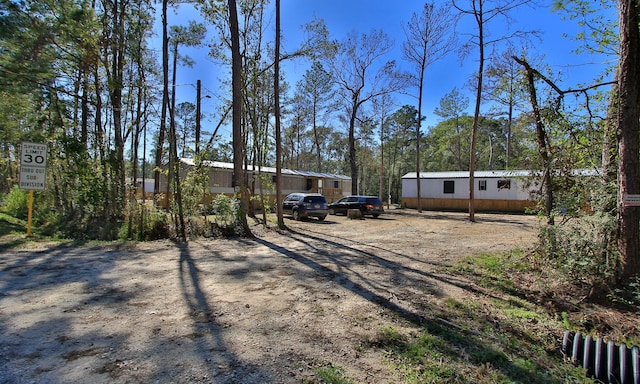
x: 374, y: 201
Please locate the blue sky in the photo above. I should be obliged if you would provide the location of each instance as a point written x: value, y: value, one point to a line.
x: 344, y: 16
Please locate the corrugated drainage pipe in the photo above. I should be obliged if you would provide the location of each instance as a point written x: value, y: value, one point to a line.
x: 606, y: 362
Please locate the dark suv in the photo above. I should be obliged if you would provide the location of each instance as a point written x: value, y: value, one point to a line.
x: 368, y: 205
x: 302, y: 205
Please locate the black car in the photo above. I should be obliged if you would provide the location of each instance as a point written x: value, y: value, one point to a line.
x: 302, y: 205
x: 368, y: 205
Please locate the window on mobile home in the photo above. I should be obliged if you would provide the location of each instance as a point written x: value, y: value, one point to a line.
x: 449, y: 186
x: 336, y: 184
x: 482, y: 185
x: 504, y: 184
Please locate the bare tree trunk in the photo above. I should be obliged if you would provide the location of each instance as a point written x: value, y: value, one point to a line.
x: 276, y: 111
x: 165, y: 101
x: 84, y: 131
x: 476, y: 114
x: 490, y: 152
x: 353, y: 164
x: 428, y: 40
x: 115, y: 87
x: 100, y: 134
x: 239, y: 180
x: 629, y: 139
x: 541, y: 135
x: 381, y: 186
x: 198, y: 113
x: 316, y: 137
x: 482, y: 16
x: 174, y: 164
x: 418, y: 185
x: 509, y: 127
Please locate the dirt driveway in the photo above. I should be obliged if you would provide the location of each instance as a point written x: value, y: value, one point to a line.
x: 266, y: 310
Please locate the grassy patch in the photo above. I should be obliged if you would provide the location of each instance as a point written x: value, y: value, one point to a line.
x: 9, y: 225
x: 496, y: 337
x: 493, y: 270
x: 440, y: 354
x: 331, y: 374
x: 13, y: 232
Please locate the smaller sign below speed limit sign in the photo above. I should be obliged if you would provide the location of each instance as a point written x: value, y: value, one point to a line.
x: 33, y: 166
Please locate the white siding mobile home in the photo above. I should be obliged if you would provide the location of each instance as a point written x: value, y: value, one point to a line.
x: 493, y: 191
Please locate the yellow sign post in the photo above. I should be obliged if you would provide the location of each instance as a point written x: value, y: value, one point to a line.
x: 29, y: 214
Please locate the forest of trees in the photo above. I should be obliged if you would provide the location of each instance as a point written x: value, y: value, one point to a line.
x: 82, y: 77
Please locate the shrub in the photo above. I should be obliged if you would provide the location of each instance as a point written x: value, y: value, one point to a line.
x: 194, y: 188
x: 629, y: 294
x: 144, y: 222
x: 16, y: 203
x: 583, y: 248
x: 227, y: 218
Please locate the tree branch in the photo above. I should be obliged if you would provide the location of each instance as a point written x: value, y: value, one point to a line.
x: 553, y: 85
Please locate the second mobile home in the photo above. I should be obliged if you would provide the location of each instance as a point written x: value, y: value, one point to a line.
x: 493, y: 190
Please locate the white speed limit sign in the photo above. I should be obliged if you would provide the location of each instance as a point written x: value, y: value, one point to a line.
x: 33, y: 166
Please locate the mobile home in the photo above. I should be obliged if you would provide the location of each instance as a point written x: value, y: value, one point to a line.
x: 493, y: 190
x: 263, y: 180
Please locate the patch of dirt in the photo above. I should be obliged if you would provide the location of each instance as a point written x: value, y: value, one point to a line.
x: 271, y: 309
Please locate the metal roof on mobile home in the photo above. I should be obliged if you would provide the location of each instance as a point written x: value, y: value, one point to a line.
x: 222, y: 165
x: 489, y: 174
x: 465, y: 174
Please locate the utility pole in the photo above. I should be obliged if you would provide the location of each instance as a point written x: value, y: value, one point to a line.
x: 198, y: 101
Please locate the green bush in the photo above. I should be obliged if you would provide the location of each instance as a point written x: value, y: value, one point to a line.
x: 629, y: 294
x: 16, y: 203
x: 583, y: 248
x: 194, y: 189
x: 227, y: 218
x: 144, y: 222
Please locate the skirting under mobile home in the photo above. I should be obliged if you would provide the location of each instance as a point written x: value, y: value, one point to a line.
x: 502, y: 191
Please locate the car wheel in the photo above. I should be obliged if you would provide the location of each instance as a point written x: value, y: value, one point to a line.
x: 296, y: 215
x: 321, y: 218
x: 332, y: 211
x: 376, y: 216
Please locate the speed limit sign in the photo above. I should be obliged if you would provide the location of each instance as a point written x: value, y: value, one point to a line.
x: 33, y: 166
